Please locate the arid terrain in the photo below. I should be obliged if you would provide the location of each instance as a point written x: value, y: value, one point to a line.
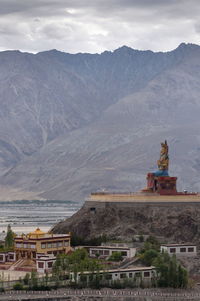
x: 75, y: 123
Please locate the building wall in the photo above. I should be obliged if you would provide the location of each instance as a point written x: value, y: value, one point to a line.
x: 7, y: 257
x: 129, y: 200
x: 136, y: 275
x: 44, y: 265
x: 180, y: 250
x: 2, y: 257
x: 45, y: 246
x: 107, y: 252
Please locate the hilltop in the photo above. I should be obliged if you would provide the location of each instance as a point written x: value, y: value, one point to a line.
x: 171, y: 222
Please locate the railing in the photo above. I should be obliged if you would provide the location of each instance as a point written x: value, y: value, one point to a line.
x: 154, y: 294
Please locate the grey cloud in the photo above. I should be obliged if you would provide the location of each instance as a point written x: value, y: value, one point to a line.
x: 97, y: 25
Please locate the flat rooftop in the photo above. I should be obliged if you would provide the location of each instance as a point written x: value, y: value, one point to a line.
x: 179, y: 245
x: 108, y: 247
x: 133, y: 269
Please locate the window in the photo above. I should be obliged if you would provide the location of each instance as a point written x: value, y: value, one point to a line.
x: 182, y: 250
x: 1, y: 258
x: 49, y: 245
x: 137, y: 274
x: 54, y: 245
x: 18, y: 245
x: 66, y: 243
x: 123, y: 275
x: 32, y: 246
x: 106, y: 252
x: 43, y: 245
x: 124, y: 253
x: 172, y: 250
x: 101, y: 252
x: 94, y: 252
x: 50, y: 264
x: 60, y: 244
x: 83, y: 278
x: 146, y: 274
x: 191, y: 249
x: 40, y: 265
x: 130, y: 275
x: 108, y: 276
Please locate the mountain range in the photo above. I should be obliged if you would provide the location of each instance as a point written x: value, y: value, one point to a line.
x: 75, y: 123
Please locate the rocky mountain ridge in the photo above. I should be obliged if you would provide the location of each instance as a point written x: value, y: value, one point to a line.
x: 71, y: 124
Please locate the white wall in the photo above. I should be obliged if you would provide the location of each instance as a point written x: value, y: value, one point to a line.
x: 178, y: 250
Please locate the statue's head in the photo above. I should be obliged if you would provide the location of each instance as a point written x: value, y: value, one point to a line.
x: 164, y: 144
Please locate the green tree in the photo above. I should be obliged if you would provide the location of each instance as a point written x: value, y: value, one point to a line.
x: 9, y: 239
x: 151, y: 243
x: 170, y: 273
x: 26, y: 279
x: 182, y: 277
x: 116, y: 256
x: 148, y: 256
x: 77, y: 262
x: 173, y: 272
x: 34, y: 280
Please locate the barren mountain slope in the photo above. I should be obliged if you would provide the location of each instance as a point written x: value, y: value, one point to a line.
x: 115, y: 151
x: 75, y: 123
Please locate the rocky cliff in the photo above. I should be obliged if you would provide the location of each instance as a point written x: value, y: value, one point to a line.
x: 175, y: 222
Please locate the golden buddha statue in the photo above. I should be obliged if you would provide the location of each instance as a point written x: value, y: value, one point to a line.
x: 163, y: 162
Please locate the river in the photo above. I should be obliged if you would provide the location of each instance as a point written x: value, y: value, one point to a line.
x: 25, y: 216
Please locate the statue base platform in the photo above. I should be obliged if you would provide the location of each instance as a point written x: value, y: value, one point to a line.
x: 162, y: 184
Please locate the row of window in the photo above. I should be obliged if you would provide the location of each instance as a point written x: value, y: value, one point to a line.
x: 107, y: 252
x: 182, y: 250
x: 136, y: 274
x: 41, y: 265
x: 25, y: 245
x: 109, y: 276
x: 54, y: 245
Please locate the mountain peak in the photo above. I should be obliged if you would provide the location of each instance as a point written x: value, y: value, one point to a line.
x: 124, y: 49
x: 188, y: 46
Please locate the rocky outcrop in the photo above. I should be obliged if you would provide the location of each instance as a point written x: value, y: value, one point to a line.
x: 176, y: 222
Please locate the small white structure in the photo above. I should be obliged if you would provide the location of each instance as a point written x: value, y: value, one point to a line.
x: 7, y: 257
x: 137, y: 274
x: 179, y: 249
x: 107, y: 251
x: 3, y: 256
x: 45, y: 263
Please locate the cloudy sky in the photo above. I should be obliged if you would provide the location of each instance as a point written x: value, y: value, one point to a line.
x: 97, y: 25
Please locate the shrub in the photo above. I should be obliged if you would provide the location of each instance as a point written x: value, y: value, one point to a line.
x: 116, y: 256
x: 18, y: 286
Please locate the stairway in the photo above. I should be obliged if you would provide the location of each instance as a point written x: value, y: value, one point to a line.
x: 16, y: 264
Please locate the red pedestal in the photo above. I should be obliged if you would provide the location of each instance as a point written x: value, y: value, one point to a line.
x: 162, y: 185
